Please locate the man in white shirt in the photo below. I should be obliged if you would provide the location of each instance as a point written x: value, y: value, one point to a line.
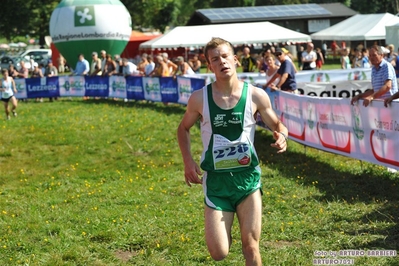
x: 129, y: 68
x: 309, y: 58
x: 149, y: 68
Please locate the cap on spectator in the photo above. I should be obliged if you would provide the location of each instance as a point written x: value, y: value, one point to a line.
x: 385, y: 50
x: 285, y: 50
x: 94, y: 53
x: 49, y: 61
x: 179, y: 59
x: 35, y: 64
x: 279, y: 50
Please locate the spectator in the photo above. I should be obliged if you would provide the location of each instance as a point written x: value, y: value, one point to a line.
x: 12, y: 72
x: 263, y: 64
x: 183, y: 67
x: 61, y: 64
x: 82, y: 66
x: 195, y: 64
x: 365, y: 58
x: 309, y: 58
x: 388, y: 100
x: 383, y: 79
x: 110, y: 66
x: 299, y: 57
x: 358, y: 59
x: 143, y: 63
x: 391, y: 55
x: 129, y: 68
x: 324, y: 50
x: 7, y: 90
x: 247, y: 62
x: 319, y: 58
x: 119, y: 66
x: 288, y: 57
x: 171, y: 66
x: 286, y: 73
x: 95, y: 69
x: 345, y: 61
x: 37, y: 73
x: 149, y: 68
x: 161, y: 68
x: 334, y: 48
x: 272, y: 69
x: 23, y: 71
x: 51, y: 71
x: 103, y: 58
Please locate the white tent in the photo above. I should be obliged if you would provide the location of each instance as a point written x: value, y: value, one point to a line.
x: 237, y: 34
x: 358, y: 28
x: 392, y: 35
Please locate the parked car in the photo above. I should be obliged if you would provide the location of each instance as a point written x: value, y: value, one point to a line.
x: 6, y: 60
x: 37, y: 54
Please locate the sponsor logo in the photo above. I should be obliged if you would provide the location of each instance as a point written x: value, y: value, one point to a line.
x: 357, y: 129
x: 152, y: 88
x: 218, y: 120
x: 311, y: 114
x: 76, y: 85
x: 357, y: 75
x: 84, y: 16
x: 118, y: 86
x: 320, y: 77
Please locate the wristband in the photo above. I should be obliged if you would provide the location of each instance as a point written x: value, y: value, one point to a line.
x: 285, y: 137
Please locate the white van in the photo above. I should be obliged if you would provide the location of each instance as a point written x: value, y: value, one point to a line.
x: 40, y: 56
x: 37, y: 53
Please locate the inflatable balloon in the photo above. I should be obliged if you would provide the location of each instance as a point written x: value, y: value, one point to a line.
x: 86, y: 26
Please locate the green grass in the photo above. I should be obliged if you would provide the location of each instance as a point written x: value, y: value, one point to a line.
x: 100, y: 182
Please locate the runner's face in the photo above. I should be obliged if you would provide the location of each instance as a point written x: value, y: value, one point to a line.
x: 222, y: 60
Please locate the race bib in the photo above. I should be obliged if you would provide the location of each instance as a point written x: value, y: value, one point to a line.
x: 231, y: 154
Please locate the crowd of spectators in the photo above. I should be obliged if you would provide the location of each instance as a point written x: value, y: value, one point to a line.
x: 158, y: 65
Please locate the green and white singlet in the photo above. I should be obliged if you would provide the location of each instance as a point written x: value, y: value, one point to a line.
x: 228, y: 134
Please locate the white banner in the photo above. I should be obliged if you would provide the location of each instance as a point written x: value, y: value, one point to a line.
x: 323, y: 83
x: 334, y: 125
x: 72, y: 86
x: 117, y: 87
x: 340, y: 89
x: 184, y: 89
x: 152, y: 89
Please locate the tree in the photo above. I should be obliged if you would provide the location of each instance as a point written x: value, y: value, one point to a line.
x: 156, y: 14
x: 14, y: 16
x: 39, y: 22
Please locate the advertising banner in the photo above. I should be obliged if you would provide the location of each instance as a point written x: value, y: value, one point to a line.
x: 334, y: 125
x: 71, y: 86
x: 134, y: 88
x: 97, y: 86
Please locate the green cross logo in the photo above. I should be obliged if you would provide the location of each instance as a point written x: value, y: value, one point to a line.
x: 67, y: 86
x: 84, y: 16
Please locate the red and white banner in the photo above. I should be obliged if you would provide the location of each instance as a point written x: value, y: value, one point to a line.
x: 334, y: 125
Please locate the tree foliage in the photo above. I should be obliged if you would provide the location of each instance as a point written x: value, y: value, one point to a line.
x: 14, y: 16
